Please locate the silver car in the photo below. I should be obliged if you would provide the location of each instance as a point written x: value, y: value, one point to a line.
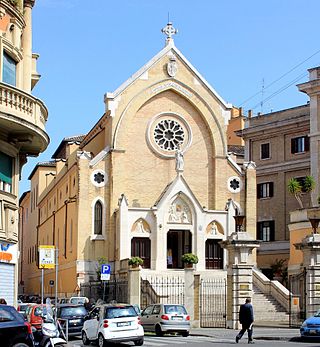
x: 165, y: 318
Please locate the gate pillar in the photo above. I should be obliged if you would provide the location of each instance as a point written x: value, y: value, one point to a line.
x: 310, y: 247
x: 239, y: 273
x: 189, y: 297
x: 134, y: 286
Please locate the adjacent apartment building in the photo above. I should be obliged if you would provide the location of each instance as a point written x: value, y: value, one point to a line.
x: 278, y: 143
x: 22, y: 128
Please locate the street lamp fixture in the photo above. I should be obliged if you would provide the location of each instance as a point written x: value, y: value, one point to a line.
x: 239, y: 218
x: 314, y: 223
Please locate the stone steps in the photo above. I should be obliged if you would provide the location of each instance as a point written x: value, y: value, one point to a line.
x: 266, y: 308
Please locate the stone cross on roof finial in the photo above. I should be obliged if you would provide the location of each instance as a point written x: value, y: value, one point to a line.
x: 169, y: 30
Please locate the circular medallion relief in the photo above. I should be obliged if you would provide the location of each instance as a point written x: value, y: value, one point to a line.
x: 99, y: 178
x: 234, y: 184
x: 168, y: 132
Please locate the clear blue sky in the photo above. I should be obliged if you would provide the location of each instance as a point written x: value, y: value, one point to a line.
x: 88, y: 48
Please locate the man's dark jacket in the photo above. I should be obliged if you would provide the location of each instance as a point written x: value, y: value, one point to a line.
x: 246, y: 314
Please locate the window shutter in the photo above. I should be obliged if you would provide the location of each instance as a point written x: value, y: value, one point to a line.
x: 259, y: 224
x: 293, y: 146
x: 272, y: 230
x: 6, y: 168
x: 259, y: 191
x: 306, y: 144
x: 270, y: 189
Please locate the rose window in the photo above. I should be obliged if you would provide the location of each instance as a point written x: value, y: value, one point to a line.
x: 234, y: 184
x: 169, y: 134
x: 98, y: 177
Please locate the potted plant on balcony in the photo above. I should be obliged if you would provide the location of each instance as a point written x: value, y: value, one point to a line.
x: 134, y: 262
x: 189, y: 259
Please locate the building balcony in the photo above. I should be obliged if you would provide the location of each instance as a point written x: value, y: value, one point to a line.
x: 22, y: 120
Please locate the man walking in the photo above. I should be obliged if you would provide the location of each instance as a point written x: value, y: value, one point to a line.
x: 246, y: 320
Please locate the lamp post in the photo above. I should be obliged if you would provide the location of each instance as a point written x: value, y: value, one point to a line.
x: 239, y: 218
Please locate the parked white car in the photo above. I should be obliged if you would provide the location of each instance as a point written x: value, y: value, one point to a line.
x: 166, y: 318
x: 113, y: 323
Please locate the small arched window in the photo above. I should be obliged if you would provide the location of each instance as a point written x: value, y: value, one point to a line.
x: 98, y: 218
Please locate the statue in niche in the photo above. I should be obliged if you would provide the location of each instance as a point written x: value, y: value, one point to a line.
x: 179, y: 160
x: 140, y: 227
x: 214, y: 229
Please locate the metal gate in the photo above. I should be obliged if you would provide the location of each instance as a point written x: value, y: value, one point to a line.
x: 161, y: 289
x: 297, y: 299
x: 116, y: 289
x: 213, y: 303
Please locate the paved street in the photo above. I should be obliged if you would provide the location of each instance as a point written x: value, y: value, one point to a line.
x: 206, y: 341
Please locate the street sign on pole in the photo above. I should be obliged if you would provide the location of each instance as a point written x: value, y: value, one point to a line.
x: 105, y: 272
x: 46, y: 257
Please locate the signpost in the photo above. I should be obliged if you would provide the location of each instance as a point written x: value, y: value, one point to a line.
x: 46, y: 261
x: 105, y: 276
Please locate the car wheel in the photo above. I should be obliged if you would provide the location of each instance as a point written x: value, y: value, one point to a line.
x: 159, y: 332
x: 101, y: 342
x: 185, y: 333
x: 138, y: 342
x: 20, y: 344
x: 85, y: 340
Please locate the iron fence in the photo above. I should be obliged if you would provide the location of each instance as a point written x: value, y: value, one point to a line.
x: 213, y: 304
x: 160, y: 289
x: 116, y: 289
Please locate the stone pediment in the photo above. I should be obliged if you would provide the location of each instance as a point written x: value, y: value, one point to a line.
x: 173, y: 54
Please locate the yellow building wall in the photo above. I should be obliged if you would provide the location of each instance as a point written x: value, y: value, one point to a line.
x: 296, y: 236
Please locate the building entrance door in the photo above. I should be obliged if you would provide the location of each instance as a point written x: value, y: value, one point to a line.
x: 179, y: 242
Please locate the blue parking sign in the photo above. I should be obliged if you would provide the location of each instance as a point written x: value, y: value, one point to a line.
x: 105, y: 272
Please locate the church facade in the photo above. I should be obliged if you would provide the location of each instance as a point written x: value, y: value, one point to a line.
x: 153, y: 178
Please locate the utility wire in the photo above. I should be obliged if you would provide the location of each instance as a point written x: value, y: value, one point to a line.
x: 278, y: 79
x: 282, y: 89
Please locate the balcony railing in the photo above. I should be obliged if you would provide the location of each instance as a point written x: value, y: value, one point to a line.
x: 22, y: 105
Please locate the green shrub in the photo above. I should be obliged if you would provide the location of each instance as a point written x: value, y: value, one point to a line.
x: 135, y: 261
x: 189, y: 258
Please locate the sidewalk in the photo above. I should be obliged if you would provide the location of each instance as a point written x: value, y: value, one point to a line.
x: 259, y: 333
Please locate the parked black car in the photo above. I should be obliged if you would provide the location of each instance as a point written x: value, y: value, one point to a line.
x: 73, y: 314
x: 14, y: 330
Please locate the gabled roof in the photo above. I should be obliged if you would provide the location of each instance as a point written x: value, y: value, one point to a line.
x: 179, y: 184
x: 60, y: 153
x: 42, y: 164
x: 169, y: 47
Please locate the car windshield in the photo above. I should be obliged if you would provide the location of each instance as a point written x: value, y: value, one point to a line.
x: 174, y: 309
x: 23, y: 307
x: 72, y: 311
x: 317, y: 314
x: 5, y: 315
x: 79, y: 300
x: 119, y: 312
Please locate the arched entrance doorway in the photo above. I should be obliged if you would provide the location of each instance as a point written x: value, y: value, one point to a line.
x: 179, y: 242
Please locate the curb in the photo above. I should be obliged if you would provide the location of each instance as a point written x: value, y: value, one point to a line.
x: 266, y: 338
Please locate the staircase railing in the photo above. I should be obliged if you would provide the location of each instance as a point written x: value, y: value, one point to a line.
x: 279, y: 292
